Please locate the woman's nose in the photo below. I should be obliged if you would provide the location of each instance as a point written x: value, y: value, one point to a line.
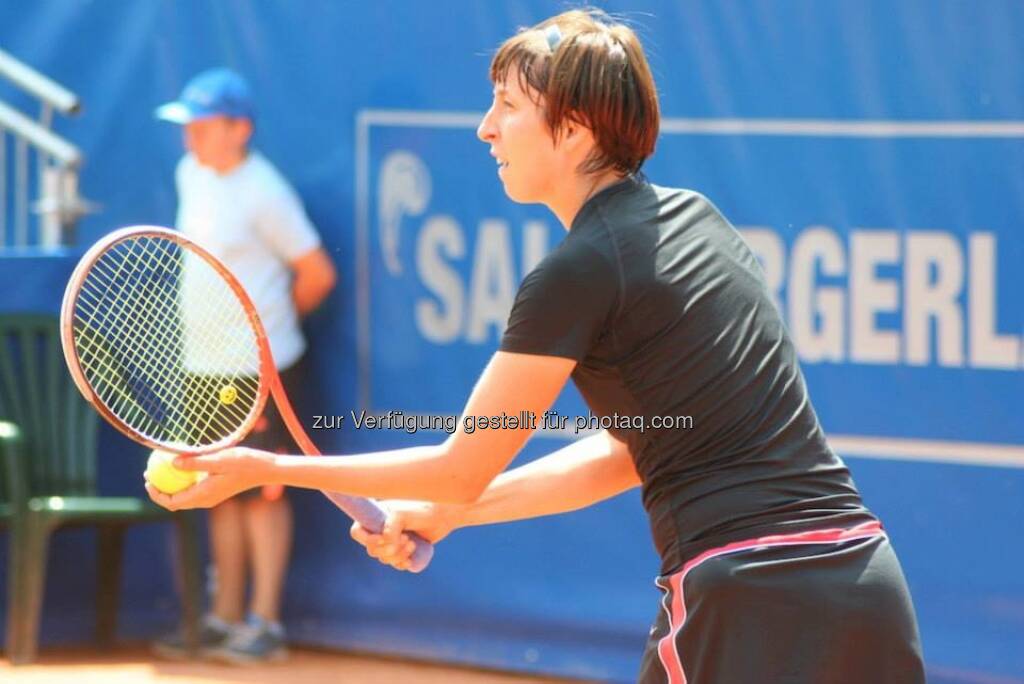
x: 486, y: 130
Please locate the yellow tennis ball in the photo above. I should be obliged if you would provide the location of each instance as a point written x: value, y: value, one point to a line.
x: 228, y: 394
x: 161, y: 473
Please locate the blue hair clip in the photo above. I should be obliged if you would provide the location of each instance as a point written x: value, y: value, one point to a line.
x: 554, y: 36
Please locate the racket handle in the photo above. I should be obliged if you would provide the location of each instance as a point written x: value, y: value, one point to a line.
x: 371, y: 516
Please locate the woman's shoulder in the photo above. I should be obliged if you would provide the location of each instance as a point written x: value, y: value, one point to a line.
x: 577, y: 255
x: 645, y: 207
x: 679, y: 194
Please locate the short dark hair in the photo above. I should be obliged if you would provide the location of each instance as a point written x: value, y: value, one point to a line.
x: 590, y: 70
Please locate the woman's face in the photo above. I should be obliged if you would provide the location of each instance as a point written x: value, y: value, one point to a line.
x: 529, y: 163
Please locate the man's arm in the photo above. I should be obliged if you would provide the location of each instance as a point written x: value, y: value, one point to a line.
x: 314, y: 278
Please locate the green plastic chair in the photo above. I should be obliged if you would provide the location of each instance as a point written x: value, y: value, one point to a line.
x: 48, y: 481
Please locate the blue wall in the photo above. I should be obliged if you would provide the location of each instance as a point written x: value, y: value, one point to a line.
x: 892, y: 244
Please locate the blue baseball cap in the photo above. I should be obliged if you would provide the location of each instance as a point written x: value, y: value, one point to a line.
x: 215, y: 92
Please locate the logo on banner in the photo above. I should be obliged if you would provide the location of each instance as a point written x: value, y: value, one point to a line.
x: 465, y: 276
x: 403, y: 190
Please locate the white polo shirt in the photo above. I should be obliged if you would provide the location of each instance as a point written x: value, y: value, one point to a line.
x: 253, y: 221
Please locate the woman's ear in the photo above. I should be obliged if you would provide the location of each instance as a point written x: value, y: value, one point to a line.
x: 575, y: 134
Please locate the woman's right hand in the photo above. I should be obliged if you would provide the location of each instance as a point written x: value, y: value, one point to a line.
x: 393, y: 546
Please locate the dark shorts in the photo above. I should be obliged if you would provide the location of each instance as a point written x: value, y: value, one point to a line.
x: 826, y: 607
x: 270, y: 432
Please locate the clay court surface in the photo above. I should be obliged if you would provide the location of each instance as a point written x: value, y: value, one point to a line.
x: 136, y: 666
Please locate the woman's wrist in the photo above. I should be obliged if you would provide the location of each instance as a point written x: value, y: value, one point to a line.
x: 271, y: 467
x: 457, y: 515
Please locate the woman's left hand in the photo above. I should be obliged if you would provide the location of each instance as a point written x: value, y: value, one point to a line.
x: 230, y: 472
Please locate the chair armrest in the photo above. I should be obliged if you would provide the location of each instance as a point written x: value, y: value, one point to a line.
x: 11, y: 466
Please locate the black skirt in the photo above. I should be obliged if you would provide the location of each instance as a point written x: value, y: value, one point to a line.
x: 825, y: 607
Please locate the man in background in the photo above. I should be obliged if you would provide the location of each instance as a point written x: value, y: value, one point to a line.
x: 233, y: 201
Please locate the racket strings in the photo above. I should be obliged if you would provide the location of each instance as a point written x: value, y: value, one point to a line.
x: 223, y: 421
x: 214, y: 299
x: 168, y: 339
x: 133, y: 323
x: 116, y: 314
x: 105, y: 312
x: 166, y: 344
x: 110, y: 312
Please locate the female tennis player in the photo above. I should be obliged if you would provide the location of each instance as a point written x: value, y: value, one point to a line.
x: 773, y: 570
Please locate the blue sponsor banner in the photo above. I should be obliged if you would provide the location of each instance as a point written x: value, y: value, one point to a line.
x: 913, y: 291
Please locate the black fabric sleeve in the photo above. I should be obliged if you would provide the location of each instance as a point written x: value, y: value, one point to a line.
x: 564, y: 305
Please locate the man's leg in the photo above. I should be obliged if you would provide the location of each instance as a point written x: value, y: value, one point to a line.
x: 228, y: 548
x: 269, y: 534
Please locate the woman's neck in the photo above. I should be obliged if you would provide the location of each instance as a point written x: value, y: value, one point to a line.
x: 576, y: 194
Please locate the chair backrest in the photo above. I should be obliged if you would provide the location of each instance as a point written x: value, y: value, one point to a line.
x: 12, y: 481
x: 36, y: 393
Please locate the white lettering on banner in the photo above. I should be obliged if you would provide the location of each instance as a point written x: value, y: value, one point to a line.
x: 989, y: 349
x: 492, y: 287
x: 830, y: 321
x: 927, y: 299
x: 871, y: 294
x: 934, y: 303
x: 535, y: 244
x: 440, y: 321
x: 446, y: 316
x: 816, y: 247
x: 925, y: 307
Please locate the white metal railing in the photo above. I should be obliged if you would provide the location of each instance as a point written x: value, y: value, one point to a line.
x: 42, y: 162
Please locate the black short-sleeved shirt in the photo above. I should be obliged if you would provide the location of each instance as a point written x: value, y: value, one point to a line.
x: 666, y: 310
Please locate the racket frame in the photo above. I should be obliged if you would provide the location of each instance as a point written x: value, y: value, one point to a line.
x: 268, y: 380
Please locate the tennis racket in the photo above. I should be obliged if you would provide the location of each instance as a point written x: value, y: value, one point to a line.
x: 164, y: 342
